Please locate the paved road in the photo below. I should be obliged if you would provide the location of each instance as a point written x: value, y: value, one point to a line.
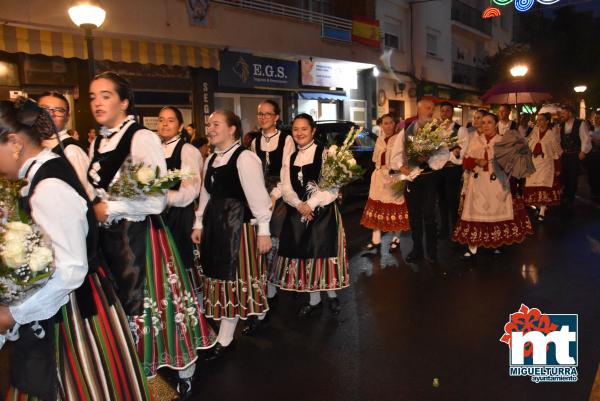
x: 402, y: 326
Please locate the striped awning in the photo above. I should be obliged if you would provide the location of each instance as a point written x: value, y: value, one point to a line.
x: 32, y: 41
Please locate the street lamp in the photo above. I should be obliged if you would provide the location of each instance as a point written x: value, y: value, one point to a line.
x: 581, y: 89
x: 88, y: 15
x: 519, y: 70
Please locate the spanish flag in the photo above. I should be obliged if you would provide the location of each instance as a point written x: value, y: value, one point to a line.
x: 366, y: 31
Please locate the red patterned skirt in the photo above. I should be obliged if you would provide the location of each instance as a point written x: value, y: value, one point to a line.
x: 545, y: 196
x: 498, y: 233
x: 388, y: 217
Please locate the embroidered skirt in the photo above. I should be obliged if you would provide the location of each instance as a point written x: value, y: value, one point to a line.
x: 545, y: 196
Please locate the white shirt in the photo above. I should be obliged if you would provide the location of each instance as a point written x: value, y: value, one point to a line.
x: 191, y: 161
x: 145, y: 148
x: 463, y: 141
x: 61, y: 214
x: 288, y: 149
x: 249, y: 169
x: 78, y: 159
x: 584, y: 134
x: 504, y: 126
x: 318, y: 198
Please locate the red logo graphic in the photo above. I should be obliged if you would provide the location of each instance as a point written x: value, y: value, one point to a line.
x: 524, y: 321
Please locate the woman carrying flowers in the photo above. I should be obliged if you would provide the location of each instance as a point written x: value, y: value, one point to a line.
x: 153, y: 286
x: 386, y: 208
x: 312, y: 250
x: 71, y: 339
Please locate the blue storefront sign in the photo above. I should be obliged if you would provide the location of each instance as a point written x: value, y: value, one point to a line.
x: 243, y: 70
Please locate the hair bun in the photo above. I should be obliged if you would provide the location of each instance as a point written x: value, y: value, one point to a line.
x: 31, y: 115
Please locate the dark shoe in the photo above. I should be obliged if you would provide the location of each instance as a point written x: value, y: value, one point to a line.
x: 497, y: 253
x: 394, y: 245
x: 309, y: 309
x: 219, y: 350
x: 371, y: 246
x: 540, y: 218
x: 334, y: 305
x: 254, y: 323
x: 184, y: 388
x: 468, y: 255
x: 414, y: 257
x: 273, y: 300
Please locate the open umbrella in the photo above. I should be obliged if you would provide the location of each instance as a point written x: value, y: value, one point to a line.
x: 517, y: 92
x: 551, y: 108
x: 513, y: 155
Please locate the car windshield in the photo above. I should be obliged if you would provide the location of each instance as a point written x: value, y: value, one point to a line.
x: 364, y: 139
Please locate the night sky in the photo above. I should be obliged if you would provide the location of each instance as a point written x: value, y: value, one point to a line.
x: 581, y: 5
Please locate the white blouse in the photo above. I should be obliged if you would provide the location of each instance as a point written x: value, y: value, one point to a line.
x: 584, y: 134
x: 78, y: 159
x: 288, y: 149
x: 318, y: 198
x: 249, y: 169
x: 145, y: 148
x: 61, y: 214
x: 191, y: 161
x: 463, y: 142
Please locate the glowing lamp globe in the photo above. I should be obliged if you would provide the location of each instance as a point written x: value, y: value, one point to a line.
x: 87, y: 14
x: 519, y: 71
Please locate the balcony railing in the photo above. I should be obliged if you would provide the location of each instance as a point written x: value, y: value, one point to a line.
x: 471, y: 17
x: 466, y: 74
x: 269, y: 7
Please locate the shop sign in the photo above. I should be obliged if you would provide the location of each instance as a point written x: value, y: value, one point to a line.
x: 329, y: 75
x: 243, y: 70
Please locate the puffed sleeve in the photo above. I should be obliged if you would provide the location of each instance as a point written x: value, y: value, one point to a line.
x: 191, y: 161
x: 66, y: 227
x: 288, y: 149
x: 250, y: 172
x: 586, y: 139
x: 80, y: 162
x: 398, y: 158
x: 204, y: 197
x: 146, y: 149
x: 289, y: 195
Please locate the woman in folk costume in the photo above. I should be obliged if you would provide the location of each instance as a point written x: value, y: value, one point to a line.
x: 140, y: 252
x: 62, y: 143
x: 232, y: 228
x: 179, y: 215
x: 490, y: 217
x: 71, y: 338
x: 271, y: 147
x: 312, y: 249
x: 386, y: 207
x: 543, y: 187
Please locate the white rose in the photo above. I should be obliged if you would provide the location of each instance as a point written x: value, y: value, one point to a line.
x: 145, y: 175
x: 17, y: 231
x: 332, y: 150
x: 352, y: 162
x: 14, y: 254
x: 39, y: 258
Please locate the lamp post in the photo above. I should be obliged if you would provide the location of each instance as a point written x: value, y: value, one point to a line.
x: 518, y: 71
x: 88, y: 15
x: 581, y: 89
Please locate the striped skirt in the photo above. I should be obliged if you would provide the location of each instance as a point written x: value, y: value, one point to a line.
x: 172, y: 327
x: 95, y: 356
x: 314, y: 274
x: 246, y: 296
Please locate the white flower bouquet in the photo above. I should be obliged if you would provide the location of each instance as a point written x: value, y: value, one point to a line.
x: 26, y: 260
x: 340, y: 167
x: 137, y: 180
x: 427, y: 140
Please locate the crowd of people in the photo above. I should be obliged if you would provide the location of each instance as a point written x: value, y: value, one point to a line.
x: 138, y: 277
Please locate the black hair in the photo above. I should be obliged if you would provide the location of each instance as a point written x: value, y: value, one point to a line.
x: 506, y: 106
x: 568, y: 107
x: 307, y: 117
x: 201, y: 141
x: 547, y: 116
x: 57, y: 95
x: 483, y: 112
x: 447, y: 104
x: 122, y: 87
x: 191, y: 125
x: 388, y: 115
x: 175, y: 110
x: 489, y: 114
x: 24, y: 115
x: 276, y: 108
x: 232, y: 120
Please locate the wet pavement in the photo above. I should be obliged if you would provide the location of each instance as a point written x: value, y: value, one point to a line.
x: 404, y: 326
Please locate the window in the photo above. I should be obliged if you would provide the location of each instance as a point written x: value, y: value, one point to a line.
x: 392, y: 37
x: 432, y: 42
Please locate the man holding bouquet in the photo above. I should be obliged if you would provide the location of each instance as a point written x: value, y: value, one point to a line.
x: 421, y: 191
